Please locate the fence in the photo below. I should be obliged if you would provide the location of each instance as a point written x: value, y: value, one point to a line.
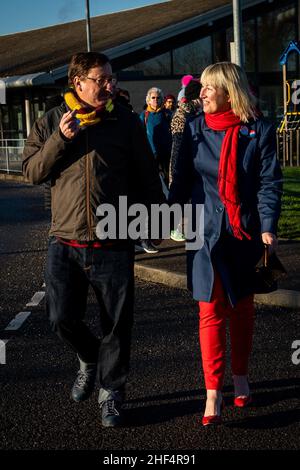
x: 288, y: 151
x: 288, y: 147
x: 11, y: 155
x: 288, y: 139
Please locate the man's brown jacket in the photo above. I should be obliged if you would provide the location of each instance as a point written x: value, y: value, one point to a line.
x: 104, y: 161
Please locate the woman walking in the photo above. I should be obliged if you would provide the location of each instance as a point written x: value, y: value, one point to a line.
x: 227, y: 161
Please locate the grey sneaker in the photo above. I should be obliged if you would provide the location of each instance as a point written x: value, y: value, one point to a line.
x: 110, y: 404
x: 148, y: 246
x: 138, y: 248
x: 85, y: 381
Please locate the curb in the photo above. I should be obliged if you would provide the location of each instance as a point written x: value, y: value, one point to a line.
x: 279, y: 298
x: 162, y: 276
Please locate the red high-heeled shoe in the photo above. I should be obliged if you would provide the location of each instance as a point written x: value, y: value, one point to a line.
x: 242, y: 402
x: 213, y: 419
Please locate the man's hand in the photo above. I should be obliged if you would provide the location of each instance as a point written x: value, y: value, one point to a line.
x: 270, y: 239
x: 68, y: 125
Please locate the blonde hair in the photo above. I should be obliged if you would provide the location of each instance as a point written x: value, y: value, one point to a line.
x: 232, y: 79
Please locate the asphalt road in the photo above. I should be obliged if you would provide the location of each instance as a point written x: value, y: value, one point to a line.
x: 165, y: 394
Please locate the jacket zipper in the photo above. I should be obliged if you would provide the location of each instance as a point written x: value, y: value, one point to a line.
x: 88, y: 201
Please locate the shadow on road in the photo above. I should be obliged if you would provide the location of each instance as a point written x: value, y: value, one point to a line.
x: 287, y: 389
x: 154, y: 414
x: 277, y: 419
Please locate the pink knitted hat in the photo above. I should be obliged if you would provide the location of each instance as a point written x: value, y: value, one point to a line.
x: 186, y: 80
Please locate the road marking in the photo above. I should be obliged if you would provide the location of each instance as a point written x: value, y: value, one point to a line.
x: 3, y: 350
x: 17, y: 321
x: 36, y: 299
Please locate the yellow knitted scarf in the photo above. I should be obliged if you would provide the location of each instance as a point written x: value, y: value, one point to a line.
x: 151, y: 110
x: 87, y: 116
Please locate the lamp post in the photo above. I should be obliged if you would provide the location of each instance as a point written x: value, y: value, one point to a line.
x: 88, y: 25
x: 237, y: 33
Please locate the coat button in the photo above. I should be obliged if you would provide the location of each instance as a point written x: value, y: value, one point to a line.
x: 219, y: 209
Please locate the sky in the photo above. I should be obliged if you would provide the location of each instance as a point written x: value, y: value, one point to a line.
x: 23, y: 15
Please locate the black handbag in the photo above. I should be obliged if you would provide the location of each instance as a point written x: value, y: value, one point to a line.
x: 268, y: 273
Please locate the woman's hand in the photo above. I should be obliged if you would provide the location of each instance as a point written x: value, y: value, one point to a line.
x: 270, y: 239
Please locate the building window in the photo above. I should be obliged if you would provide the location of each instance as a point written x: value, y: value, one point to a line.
x: 249, y: 45
x: 159, y: 65
x: 38, y: 107
x: 4, y: 122
x: 12, y: 125
x: 193, y: 58
x: 17, y: 121
x: 221, y: 42
x: 281, y: 24
x: 271, y: 103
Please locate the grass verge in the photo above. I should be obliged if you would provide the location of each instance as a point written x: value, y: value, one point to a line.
x: 289, y: 222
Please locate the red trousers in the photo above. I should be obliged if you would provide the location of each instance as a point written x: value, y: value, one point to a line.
x: 212, y: 335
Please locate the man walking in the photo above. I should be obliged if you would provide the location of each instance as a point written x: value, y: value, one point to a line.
x: 93, y: 151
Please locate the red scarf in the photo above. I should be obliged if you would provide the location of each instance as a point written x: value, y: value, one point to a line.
x: 228, y: 174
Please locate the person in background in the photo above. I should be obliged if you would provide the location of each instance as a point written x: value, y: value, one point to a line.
x: 185, y: 80
x: 93, y: 151
x: 112, y: 87
x: 170, y: 103
x: 188, y: 106
x: 156, y: 121
x: 123, y: 98
x: 227, y: 162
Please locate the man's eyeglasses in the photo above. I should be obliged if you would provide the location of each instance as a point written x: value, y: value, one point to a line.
x: 103, y: 80
x: 155, y: 98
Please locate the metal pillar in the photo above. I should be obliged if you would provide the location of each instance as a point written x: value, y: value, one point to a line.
x: 284, y: 95
x: 27, y: 115
x: 1, y: 124
x: 237, y: 32
x: 88, y: 26
x: 2, y: 92
x: 298, y: 22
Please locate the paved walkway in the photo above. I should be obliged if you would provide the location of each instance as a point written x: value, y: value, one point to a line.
x: 169, y: 267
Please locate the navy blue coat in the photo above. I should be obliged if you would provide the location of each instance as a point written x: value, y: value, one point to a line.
x: 260, y: 189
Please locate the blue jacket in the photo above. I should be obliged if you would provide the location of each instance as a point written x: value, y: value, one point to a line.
x: 159, y: 133
x: 260, y: 189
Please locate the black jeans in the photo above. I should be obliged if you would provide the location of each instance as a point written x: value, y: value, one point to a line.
x: 69, y: 271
